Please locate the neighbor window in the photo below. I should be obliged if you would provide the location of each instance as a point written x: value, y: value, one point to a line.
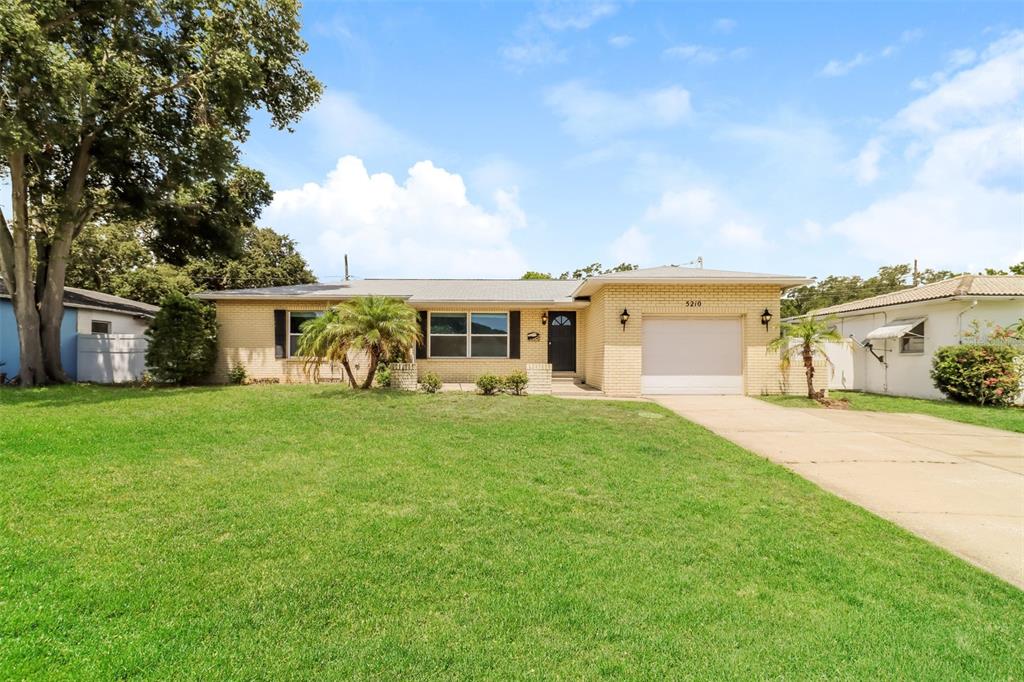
x: 100, y: 327
x: 913, y: 341
x: 295, y: 322
x: 469, y: 335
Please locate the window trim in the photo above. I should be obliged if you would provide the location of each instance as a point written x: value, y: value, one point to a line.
x: 913, y: 335
x: 469, y: 335
x: 93, y: 323
x: 289, y: 334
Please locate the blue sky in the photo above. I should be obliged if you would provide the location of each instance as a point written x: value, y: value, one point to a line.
x: 486, y: 139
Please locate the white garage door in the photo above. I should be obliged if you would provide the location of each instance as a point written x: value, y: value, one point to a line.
x: 688, y: 356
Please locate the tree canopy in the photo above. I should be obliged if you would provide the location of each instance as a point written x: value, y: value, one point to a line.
x: 581, y: 273
x: 133, y: 109
x: 118, y: 258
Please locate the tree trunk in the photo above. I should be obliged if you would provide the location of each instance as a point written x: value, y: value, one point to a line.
x: 348, y: 371
x: 16, y: 269
x: 809, y: 370
x: 372, y: 370
x: 51, y: 304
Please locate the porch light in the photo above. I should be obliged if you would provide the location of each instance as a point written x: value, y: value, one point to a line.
x: 544, y: 317
x: 766, y: 317
x: 624, y: 318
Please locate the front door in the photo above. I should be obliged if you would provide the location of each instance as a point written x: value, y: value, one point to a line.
x: 562, y: 341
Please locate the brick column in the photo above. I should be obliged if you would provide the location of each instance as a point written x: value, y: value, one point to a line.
x: 403, y: 376
x: 539, y: 376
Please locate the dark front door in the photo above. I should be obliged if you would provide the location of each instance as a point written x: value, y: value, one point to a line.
x: 562, y: 341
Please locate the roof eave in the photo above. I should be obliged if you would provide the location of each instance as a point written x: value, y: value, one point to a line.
x: 593, y: 284
x: 890, y: 306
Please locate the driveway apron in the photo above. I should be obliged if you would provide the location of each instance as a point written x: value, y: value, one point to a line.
x: 957, y: 485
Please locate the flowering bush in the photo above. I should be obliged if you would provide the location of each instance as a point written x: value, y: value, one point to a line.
x: 983, y: 374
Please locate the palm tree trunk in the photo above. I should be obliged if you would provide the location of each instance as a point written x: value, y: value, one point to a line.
x: 372, y: 370
x: 809, y: 370
x: 348, y: 371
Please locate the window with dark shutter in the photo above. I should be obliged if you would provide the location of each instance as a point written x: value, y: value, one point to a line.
x: 421, y: 346
x: 513, y: 334
x: 280, y: 332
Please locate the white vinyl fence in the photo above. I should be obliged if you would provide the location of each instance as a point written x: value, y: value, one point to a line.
x: 111, y: 358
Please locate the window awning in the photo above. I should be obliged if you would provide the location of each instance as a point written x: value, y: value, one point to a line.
x: 894, y: 329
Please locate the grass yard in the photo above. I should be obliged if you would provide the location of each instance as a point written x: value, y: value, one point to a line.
x: 1005, y: 418
x: 310, y: 532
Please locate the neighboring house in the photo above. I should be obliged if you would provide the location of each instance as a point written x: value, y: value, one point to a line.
x: 655, y: 330
x: 101, y: 336
x: 893, y: 336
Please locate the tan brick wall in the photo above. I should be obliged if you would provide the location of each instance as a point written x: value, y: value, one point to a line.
x: 592, y: 336
x: 608, y: 356
x: 247, y: 336
x: 621, y: 364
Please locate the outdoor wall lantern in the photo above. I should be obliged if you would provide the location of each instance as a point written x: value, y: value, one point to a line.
x: 544, y: 317
x: 766, y: 317
x: 624, y: 318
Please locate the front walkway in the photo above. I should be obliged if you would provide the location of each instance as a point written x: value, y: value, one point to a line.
x: 957, y: 485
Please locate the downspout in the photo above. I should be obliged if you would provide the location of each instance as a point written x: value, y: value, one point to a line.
x: 960, y: 321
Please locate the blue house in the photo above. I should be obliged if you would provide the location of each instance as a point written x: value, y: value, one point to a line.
x: 85, y: 312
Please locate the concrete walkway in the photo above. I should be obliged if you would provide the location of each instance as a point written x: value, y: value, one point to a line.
x: 957, y: 485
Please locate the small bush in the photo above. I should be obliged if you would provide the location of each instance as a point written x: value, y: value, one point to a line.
x: 383, y: 377
x: 182, y: 340
x: 981, y: 374
x: 489, y: 384
x: 238, y: 374
x: 515, y: 383
x: 431, y: 382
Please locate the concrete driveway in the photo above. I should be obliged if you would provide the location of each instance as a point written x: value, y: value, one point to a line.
x: 957, y: 485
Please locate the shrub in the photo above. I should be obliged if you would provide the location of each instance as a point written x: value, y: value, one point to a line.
x: 431, y: 382
x: 383, y: 375
x: 982, y: 374
x: 489, y: 384
x: 182, y: 340
x: 238, y: 374
x: 515, y: 383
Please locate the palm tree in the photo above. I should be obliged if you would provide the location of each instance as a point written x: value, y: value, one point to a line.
x: 810, y: 335
x: 382, y: 326
x: 324, y: 339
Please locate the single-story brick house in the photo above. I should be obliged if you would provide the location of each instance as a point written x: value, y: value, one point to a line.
x: 656, y: 330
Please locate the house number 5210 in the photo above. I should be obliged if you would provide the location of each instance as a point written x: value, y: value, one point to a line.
x: 693, y: 304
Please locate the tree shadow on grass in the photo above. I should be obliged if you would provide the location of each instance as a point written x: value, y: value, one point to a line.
x: 91, y: 394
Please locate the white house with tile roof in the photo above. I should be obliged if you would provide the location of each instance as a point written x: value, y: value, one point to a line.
x: 893, y: 336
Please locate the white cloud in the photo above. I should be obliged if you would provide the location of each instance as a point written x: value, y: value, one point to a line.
x: 739, y: 234
x: 866, y: 163
x: 963, y: 202
x: 632, y: 246
x: 346, y: 128
x: 533, y: 53
x: 836, y: 67
x: 576, y: 16
x: 698, y: 54
x: 589, y: 114
x: 691, y: 206
x: 426, y: 226
x: 994, y: 86
x: 809, y: 231
x: 841, y: 67
x: 724, y: 25
x: 621, y: 41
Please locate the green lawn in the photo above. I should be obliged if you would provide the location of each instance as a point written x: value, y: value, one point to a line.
x: 310, y: 532
x: 1006, y: 418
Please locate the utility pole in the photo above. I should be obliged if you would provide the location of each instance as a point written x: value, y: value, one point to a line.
x: 346, y: 267
x: 917, y: 276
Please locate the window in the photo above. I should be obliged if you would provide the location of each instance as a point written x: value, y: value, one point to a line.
x: 913, y: 341
x: 100, y: 327
x: 295, y: 322
x: 472, y: 335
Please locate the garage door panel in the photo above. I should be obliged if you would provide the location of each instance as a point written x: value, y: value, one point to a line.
x: 692, y: 356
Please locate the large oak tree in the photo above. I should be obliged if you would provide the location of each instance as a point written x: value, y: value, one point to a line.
x: 132, y: 109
